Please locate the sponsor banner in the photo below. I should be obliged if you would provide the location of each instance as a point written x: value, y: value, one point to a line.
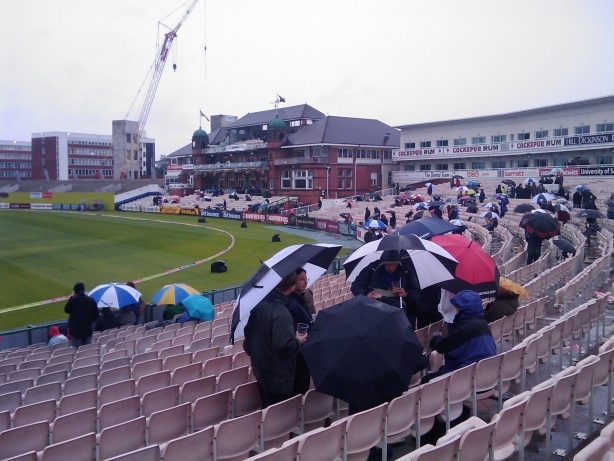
x: 41, y: 194
x: 480, y: 174
x: 305, y: 221
x: 292, y: 220
x: 210, y: 213
x: 409, y: 153
x: 174, y: 167
x: 589, y: 139
x: 437, y: 174
x: 150, y: 209
x: 347, y: 229
x: 539, y: 144
x: 597, y: 171
x: 277, y: 219
x: 189, y: 211
x: 170, y: 209
x: 254, y: 217
x: 238, y: 215
x: 332, y: 226
x: 321, y: 224
x: 19, y: 206
x: 4, y: 206
x: 41, y: 206
x: 511, y: 174
x: 566, y: 171
x: 130, y: 207
x: 480, y: 148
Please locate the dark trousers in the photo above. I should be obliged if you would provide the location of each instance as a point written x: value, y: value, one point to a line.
x: 267, y: 399
x: 533, y: 253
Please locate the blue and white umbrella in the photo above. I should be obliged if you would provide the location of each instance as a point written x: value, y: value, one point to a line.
x: 313, y: 257
x: 581, y: 187
x: 115, y: 295
x: 376, y: 224
x: 529, y: 180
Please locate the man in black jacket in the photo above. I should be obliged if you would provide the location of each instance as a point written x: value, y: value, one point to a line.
x: 83, y: 312
x: 273, y: 345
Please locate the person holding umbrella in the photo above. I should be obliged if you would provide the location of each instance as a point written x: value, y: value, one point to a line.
x: 272, y: 343
x: 534, y: 247
x: 470, y: 341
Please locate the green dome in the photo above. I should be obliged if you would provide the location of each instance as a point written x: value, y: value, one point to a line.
x: 200, y: 133
x: 277, y: 123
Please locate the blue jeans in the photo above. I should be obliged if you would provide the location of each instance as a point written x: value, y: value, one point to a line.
x: 76, y: 342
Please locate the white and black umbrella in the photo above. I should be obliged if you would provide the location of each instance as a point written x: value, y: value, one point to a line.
x: 432, y: 263
x: 314, y: 258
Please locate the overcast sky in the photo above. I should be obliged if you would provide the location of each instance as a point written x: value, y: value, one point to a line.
x: 76, y: 65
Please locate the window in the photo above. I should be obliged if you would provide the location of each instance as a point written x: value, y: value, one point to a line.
x: 498, y: 138
x: 460, y: 141
x: 559, y: 132
x: 541, y: 162
x: 523, y: 163
x: 424, y: 144
x: 512, y: 137
x: 411, y: 167
x: 523, y: 136
x: 271, y: 183
x: 387, y: 154
x: 345, y: 153
x: 559, y: 161
x: 442, y: 143
x: 410, y: 145
x: 425, y: 167
x: 478, y: 165
x: 340, y: 183
x: 441, y: 166
x: 499, y: 164
x: 584, y: 129
x: 541, y: 134
x: 374, y: 179
x: 302, y: 179
x: 604, y: 159
x: 605, y: 127
x: 285, y: 180
x: 460, y: 166
x: 478, y: 140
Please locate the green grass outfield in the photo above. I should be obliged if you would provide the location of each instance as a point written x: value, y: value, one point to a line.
x: 42, y: 255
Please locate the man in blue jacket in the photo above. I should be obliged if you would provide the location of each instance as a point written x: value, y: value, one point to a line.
x: 470, y: 340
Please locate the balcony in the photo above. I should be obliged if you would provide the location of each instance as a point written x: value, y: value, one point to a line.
x: 300, y: 160
x: 226, y: 166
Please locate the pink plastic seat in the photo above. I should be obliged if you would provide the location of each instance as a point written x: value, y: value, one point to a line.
x: 45, y: 410
x: 81, y: 448
x: 235, y: 438
x: 191, y: 391
x: 197, y: 446
x: 160, y: 399
x: 168, y: 424
x: 279, y: 421
x: 119, y: 411
x: 23, y: 439
x: 122, y: 438
x: 245, y: 399
x: 74, y: 425
x: 116, y: 391
x: 230, y: 379
x: 210, y: 410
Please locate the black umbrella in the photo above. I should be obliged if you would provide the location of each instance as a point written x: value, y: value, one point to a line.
x: 457, y: 176
x: 590, y: 214
x: 509, y: 182
x: 524, y: 208
x: 472, y: 209
x: 426, y: 227
x: 565, y: 246
x: 543, y: 225
x: 363, y: 352
x: 314, y: 258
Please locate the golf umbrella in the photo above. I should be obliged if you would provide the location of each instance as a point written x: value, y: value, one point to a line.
x: 543, y: 225
x: 590, y: 214
x: 472, y: 183
x: 510, y: 286
x: 565, y: 246
x: 472, y: 209
x: 556, y: 170
x: 470, y: 192
x: 432, y: 263
x: 420, y: 206
x: 427, y: 184
x: 313, y: 257
x: 524, y: 208
x: 422, y: 213
x: 462, y: 188
x: 490, y: 205
x: 173, y: 294
x: 114, y: 295
x: 375, y: 224
x: 199, y: 307
x: 363, y: 352
x: 509, y: 182
x: 542, y: 198
x: 457, y: 176
x: 435, y: 203
x: 490, y: 215
x: 426, y: 227
x: 529, y: 180
x: 581, y: 187
x: 476, y: 270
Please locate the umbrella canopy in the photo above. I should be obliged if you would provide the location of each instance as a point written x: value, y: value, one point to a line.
x: 565, y: 246
x: 490, y: 205
x: 375, y: 224
x: 590, y: 214
x: 457, y: 176
x: 432, y: 263
x: 363, y: 352
x: 510, y: 286
x: 420, y: 206
x: 462, y: 189
x: 470, y: 192
x: 524, y: 208
x: 427, y: 184
x: 509, y: 182
x: 543, y: 225
x: 173, y: 294
x: 500, y: 196
x: 529, y: 180
x: 115, y: 295
x: 542, y: 198
x: 435, y: 203
x: 490, y: 215
x: 426, y: 227
x: 402, y: 196
x: 560, y: 207
x: 472, y: 183
x: 581, y: 187
x: 199, y: 307
x: 314, y: 258
x: 556, y: 170
x: 472, y: 209
x: 476, y: 270
x: 422, y: 213
x: 417, y: 197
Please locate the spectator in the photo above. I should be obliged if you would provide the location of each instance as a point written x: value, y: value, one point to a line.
x: 591, y: 229
x: 367, y: 214
x: 588, y: 200
x: 82, y: 313
x: 273, y: 345
x: 576, y: 199
x: 534, y: 247
x: 610, y: 204
x: 482, y: 196
x: 393, y: 220
x: 370, y: 235
x: 503, y: 205
x: 106, y: 321
x: 171, y: 310
x: 55, y: 337
x: 125, y: 316
x: 137, y: 308
x: 470, y: 341
x: 429, y: 189
x: 505, y: 303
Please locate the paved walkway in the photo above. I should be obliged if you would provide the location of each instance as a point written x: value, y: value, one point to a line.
x: 319, y: 236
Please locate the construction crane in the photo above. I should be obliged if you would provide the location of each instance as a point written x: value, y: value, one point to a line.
x: 127, y: 138
x: 158, y: 68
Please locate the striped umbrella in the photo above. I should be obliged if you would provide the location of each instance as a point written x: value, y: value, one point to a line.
x: 173, y: 293
x: 115, y: 295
